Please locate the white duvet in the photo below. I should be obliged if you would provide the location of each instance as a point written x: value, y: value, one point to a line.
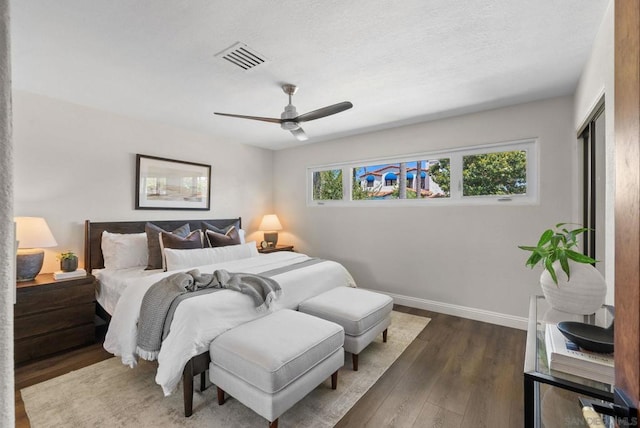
x: 199, y: 320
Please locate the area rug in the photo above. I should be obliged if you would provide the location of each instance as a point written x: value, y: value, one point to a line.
x: 109, y: 394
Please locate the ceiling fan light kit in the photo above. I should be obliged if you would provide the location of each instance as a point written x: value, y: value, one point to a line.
x: 289, y: 118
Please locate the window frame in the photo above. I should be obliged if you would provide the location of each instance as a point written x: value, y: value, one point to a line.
x: 455, y: 156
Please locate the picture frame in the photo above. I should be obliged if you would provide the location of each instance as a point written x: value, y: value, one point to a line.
x: 168, y: 184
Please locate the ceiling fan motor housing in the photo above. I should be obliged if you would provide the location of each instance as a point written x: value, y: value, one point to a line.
x: 289, y: 112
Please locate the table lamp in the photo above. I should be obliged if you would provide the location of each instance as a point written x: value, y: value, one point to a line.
x: 270, y: 225
x: 32, y: 234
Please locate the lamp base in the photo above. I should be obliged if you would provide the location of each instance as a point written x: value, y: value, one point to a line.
x: 28, y: 264
x: 271, y: 238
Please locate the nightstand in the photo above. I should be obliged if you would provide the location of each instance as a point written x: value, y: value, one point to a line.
x: 277, y: 248
x: 52, y: 316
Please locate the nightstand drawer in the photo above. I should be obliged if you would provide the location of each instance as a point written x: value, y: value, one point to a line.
x: 53, y: 296
x: 39, y: 346
x: 45, y: 322
x: 52, y: 316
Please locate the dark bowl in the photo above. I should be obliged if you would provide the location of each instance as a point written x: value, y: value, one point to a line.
x: 587, y: 336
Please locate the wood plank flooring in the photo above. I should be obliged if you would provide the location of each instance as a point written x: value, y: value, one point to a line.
x: 456, y: 373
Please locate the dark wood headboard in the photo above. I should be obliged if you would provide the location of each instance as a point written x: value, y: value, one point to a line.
x: 93, y: 234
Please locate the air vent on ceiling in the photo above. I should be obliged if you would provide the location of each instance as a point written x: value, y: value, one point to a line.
x: 242, y: 56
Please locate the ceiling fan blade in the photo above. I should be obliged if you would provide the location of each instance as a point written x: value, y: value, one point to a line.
x: 323, y: 112
x: 263, y: 119
x: 299, y: 134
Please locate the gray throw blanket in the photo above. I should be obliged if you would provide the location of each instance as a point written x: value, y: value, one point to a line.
x: 162, y: 298
x: 261, y: 289
x: 156, y: 304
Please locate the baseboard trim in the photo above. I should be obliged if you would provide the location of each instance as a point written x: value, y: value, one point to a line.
x: 460, y: 311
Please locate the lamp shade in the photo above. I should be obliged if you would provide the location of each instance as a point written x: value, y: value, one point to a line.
x: 33, y: 232
x: 270, y: 222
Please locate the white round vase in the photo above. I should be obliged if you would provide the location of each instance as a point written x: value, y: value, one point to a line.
x: 583, y: 294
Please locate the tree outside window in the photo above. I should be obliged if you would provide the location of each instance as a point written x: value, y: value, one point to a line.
x: 327, y: 185
x: 502, y: 173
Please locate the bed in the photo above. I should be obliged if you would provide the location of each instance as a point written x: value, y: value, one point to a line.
x: 197, y: 321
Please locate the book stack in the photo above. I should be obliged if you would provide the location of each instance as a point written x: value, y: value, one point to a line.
x: 565, y: 356
x: 68, y: 275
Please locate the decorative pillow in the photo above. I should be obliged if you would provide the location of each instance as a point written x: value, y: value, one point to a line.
x: 206, y: 226
x: 185, y: 259
x: 153, y: 241
x: 124, y: 250
x: 169, y: 240
x: 222, y: 240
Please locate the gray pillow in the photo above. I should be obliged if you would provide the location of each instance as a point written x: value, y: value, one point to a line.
x: 222, y: 231
x: 189, y: 242
x: 153, y: 242
x: 216, y: 239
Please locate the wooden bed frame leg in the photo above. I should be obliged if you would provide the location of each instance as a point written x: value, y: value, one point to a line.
x: 354, y: 359
x: 187, y: 388
x: 273, y: 424
x: 220, y: 396
x: 384, y: 335
x: 334, y: 380
x: 203, y: 381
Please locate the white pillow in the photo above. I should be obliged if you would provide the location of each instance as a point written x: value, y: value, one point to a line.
x: 241, y: 235
x: 124, y: 250
x: 184, y: 259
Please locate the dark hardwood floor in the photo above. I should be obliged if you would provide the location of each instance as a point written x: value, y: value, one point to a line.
x: 456, y: 373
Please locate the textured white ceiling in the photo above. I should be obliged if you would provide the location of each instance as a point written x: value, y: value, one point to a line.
x: 397, y: 61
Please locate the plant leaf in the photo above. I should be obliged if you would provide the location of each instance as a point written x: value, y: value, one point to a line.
x: 573, y: 236
x: 548, y: 264
x: 533, y: 260
x: 564, y: 263
x: 546, y: 237
x: 579, y: 257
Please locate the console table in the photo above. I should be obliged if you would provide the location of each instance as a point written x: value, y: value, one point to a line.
x: 540, y: 380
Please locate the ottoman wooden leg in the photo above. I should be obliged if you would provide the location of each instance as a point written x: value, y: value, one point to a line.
x: 334, y: 380
x: 384, y: 335
x: 354, y: 359
x: 220, y: 396
x: 273, y: 424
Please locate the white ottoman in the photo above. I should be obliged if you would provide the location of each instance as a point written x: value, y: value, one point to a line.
x: 271, y: 363
x: 363, y: 314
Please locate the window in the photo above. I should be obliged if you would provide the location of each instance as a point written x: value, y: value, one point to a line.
x: 500, y: 173
x: 327, y: 185
x: 390, y: 179
x: 382, y: 181
x: 495, y: 173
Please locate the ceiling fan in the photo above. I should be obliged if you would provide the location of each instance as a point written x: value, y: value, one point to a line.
x: 290, y: 120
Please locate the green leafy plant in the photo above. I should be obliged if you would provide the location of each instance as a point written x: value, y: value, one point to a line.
x: 67, y: 255
x: 556, y: 245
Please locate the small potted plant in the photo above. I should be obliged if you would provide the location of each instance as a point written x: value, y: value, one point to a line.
x: 68, y: 261
x: 582, y: 288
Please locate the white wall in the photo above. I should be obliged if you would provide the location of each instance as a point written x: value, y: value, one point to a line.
x: 597, y: 80
x: 456, y: 259
x: 74, y: 163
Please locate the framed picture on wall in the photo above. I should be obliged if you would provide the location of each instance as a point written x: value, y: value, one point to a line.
x: 167, y: 184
